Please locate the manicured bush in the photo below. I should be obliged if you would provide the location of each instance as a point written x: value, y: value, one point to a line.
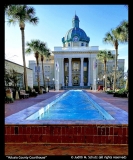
x: 32, y: 93
x: 121, y: 93
x: 110, y: 92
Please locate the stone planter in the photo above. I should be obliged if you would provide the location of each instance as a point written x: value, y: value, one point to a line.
x: 119, y: 95
x: 9, y: 93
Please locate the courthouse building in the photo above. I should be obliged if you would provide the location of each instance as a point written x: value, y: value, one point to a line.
x: 73, y: 64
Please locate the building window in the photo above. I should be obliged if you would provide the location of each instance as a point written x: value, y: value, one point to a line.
x: 75, y: 39
x: 37, y: 68
x: 68, y: 44
x: 86, y: 44
x: 85, y: 66
x: 48, y: 60
x: 75, y: 66
x: 82, y: 44
x: 46, y: 69
x: 20, y: 82
x: 117, y: 68
x: 66, y: 67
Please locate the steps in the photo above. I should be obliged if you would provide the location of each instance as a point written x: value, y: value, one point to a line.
x: 75, y: 87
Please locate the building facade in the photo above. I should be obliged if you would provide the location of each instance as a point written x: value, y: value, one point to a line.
x: 20, y: 73
x: 48, y: 65
x: 75, y: 63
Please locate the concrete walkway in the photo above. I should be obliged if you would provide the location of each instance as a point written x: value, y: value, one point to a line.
x: 42, y: 149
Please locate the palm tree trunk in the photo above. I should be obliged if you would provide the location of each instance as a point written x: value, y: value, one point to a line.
x: 43, y: 75
x: 116, y: 54
x: 38, y: 79
x: 105, y: 75
x: 23, y: 55
x: 114, y: 86
x: 126, y: 86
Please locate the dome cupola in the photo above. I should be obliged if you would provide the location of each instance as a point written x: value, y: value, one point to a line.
x: 75, y: 34
x: 75, y: 21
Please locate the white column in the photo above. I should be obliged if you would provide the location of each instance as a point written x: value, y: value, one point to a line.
x: 55, y: 74
x: 70, y: 72
x: 63, y: 72
x: 81, y: 72
x: 89, y: 71
x: 94, y: 75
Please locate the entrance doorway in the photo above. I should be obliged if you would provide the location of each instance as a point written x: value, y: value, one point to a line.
x: 75, y: 80
x: 66, y: 80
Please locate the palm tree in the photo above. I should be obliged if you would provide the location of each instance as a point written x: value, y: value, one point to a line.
x: 112, y: 37
x: 120, y: 34
x: 104, y: 56
x: 37, y: 47
x: 21, y: 14
x: 44, y: 52
x: 122, y: 31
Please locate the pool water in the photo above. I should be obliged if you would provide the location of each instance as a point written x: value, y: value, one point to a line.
x: 73, y: 105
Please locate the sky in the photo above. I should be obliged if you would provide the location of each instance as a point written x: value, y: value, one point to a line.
x: 56, y: 20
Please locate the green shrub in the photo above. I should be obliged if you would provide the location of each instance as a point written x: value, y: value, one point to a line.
x: 110, y: 92
x: 34, y: 94
x: 121, y: 93
x: 9, y: 100
x: 36, y: 88
x: 29, y: 88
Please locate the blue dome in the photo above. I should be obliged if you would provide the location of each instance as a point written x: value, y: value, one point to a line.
x: 75, y: 31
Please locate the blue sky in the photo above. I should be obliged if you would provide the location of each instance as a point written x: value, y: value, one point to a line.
x: 56, y: 20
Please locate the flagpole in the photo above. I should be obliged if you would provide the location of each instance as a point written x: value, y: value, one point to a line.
x: 55, y: 75
x: 58, y: 76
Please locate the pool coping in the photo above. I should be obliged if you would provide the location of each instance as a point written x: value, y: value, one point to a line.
x: 120, y: 116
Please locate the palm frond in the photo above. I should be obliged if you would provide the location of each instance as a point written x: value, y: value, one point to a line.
x: 109, y: 38
x: 28, y: 50
x: 22, y: 13
x: 122, y: 31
